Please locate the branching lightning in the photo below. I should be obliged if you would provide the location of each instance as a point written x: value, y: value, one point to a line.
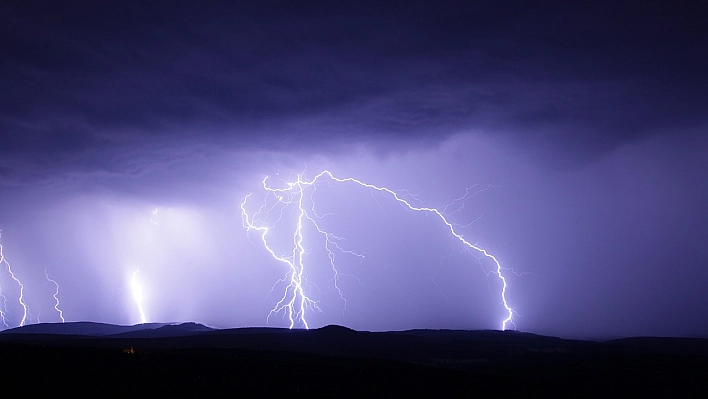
x: 295, y: 302
x: 21, y: 299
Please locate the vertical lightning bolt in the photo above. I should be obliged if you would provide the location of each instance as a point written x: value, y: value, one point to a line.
x: 138, y: 296
x: 56, y: 296
x: 295, y: 301
x: 21, y: 297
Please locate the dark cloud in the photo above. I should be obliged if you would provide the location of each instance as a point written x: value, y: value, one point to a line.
x: 78, y: 76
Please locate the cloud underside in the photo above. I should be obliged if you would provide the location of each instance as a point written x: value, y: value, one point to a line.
x: 110, y: 79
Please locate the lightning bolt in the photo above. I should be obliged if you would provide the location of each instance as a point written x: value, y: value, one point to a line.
x: 21, y: 297
x: 138, y: 296
x: 295, y: 303
x: 56, y: 296
x: 3, y: 309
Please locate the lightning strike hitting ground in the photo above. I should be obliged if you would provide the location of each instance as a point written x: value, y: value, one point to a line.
x: 135, y: 286
x: 56, y: 296
x: 20, y: 298
x: 295, y: 302
x: 138, y: 296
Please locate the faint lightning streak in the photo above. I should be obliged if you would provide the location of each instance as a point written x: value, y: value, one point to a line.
x: 297, y: 267
x: 3, y: 309
x: 21, y: 298
x: 330, y: 240
x: 56, y: 296
x: 135, y: 287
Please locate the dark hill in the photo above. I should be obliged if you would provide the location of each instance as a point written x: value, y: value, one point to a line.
x: 335, y: 329
x: 335, y: 361
x: 85, y: 328
x: 166, y: 331
x: 668, y: 345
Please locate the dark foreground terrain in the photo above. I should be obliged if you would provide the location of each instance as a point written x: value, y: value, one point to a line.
x: 89, y: 359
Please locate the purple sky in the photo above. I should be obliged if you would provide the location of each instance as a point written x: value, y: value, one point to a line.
x: 589, y: 122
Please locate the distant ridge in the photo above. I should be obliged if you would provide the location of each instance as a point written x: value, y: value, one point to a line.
x: 340, y: 340
x: 167, y: 330
x: 85, y: 328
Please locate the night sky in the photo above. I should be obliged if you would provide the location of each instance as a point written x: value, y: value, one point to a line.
x: 132, y: 131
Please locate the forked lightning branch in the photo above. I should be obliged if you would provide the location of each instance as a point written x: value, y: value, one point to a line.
x: 295, y: 304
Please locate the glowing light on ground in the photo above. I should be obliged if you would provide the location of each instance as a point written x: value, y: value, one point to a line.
x: 295, y: 302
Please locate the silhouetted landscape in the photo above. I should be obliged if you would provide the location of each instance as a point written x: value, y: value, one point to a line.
x: 190, y: 358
